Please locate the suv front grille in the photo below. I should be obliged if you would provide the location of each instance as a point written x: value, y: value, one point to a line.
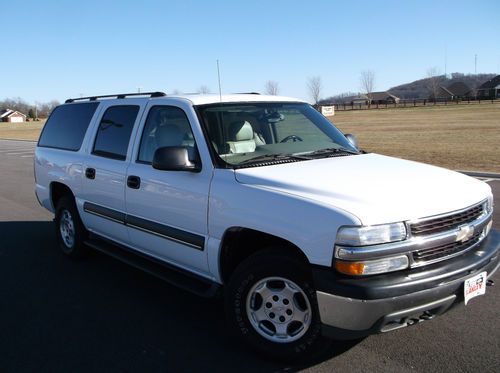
x: 427, y: 256
x: 446, y: 223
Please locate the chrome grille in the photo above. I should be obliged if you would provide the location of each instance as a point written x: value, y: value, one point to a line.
x: 427, y: 256
x: 446, y: 223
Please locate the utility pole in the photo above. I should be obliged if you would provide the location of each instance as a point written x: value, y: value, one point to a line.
x: 139, y: 89
x: 445, y: 60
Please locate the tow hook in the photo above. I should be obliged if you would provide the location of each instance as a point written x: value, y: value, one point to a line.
x: 490, y: 283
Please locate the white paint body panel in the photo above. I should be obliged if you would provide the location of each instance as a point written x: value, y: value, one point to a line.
x: 375, y: 188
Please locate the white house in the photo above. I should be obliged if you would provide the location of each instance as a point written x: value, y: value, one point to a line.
x: 7, y: 115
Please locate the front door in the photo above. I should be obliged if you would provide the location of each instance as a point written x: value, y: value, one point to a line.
x: 167, y: 210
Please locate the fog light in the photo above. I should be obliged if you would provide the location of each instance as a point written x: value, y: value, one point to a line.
x: 372, y: 267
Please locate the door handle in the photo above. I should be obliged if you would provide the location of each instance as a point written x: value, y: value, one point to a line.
x: 90, y: 173
x: 134, y: 182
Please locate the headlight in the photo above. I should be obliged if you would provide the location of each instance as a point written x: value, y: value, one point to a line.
x: 371, y: 235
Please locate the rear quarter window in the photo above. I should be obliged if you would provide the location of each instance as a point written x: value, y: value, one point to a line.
x: 67, y: 125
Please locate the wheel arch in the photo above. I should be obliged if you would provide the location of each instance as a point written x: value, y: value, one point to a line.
x: 57, y: 191
x: 239, y: 243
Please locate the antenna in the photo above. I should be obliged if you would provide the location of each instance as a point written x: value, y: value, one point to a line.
x: 218, y: 76
x: 475, y: 64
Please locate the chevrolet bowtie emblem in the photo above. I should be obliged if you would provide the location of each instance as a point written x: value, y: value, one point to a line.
x: 464, y: 233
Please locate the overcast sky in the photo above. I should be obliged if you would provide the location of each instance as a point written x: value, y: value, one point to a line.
x: 60, y: 49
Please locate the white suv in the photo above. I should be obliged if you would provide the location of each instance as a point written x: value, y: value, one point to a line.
x: 263, y: 200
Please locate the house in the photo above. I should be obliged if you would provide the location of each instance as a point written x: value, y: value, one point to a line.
x: 444, y: 93
x: 383, y: 98
x: 489, y: 90
x: 359, y: 100
x: 460, y: 90
x: 455, y: 91
x: 8, y: 115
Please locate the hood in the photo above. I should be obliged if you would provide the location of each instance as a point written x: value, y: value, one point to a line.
x: 376, y: 189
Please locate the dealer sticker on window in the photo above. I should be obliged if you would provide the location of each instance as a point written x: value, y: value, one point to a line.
x: 475, y: 286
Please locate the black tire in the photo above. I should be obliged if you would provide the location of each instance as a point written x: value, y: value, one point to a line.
x: 73, y: 248
x: 265, y: 264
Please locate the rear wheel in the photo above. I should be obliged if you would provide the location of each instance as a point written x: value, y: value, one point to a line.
x: 69, y: 228
x: 271, y: 304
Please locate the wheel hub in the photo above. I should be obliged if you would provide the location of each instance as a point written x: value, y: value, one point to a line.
x: 67, y: 228
x: 278, y: 309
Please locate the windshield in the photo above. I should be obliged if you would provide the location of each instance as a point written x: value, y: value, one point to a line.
x: 246, y: 134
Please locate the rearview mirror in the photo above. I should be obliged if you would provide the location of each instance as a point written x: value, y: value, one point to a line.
x: 352, y: 139
x: 174, y: 158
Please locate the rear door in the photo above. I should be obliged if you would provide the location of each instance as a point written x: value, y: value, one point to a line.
x: 167, y: 210
x: 105, y: 169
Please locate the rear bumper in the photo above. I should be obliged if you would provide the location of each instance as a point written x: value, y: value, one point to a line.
x: 356, y: 307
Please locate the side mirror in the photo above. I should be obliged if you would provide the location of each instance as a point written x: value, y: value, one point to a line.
x: 352, y: 139
x: 174, y: 158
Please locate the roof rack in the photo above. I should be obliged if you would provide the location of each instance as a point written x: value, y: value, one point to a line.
x: 120, y: 95
x: 248, y: 93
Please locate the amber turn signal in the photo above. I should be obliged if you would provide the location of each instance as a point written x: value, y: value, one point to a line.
x: 349, y: 268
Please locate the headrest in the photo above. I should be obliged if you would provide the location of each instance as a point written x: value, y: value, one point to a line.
x: 240, y: 131
x: 168, y: 135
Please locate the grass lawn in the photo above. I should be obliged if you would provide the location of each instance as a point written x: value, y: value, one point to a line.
x: 21, y: 131
x: 457, y: 137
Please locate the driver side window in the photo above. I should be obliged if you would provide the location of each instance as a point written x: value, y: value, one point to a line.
x: 165, y: 126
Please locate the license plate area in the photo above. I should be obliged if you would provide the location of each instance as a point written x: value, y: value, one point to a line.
x: 475, y: 286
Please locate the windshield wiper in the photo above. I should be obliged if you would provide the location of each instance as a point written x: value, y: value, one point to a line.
x: 274, y: 157
x: 332, y: 151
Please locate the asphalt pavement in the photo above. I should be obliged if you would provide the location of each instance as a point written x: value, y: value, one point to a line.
x: 99, y: 315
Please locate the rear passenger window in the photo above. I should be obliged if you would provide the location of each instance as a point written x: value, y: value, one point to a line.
x: 113, y: 135
x: 67, y: 125
x: 165, y: 126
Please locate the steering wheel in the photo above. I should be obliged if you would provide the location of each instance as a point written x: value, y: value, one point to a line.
x: 295, y: 138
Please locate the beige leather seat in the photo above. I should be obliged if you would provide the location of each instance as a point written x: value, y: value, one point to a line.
x: 241, y: 138
x: 168, y: 135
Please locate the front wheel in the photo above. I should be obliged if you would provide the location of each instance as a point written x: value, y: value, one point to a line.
x: 271, y: 304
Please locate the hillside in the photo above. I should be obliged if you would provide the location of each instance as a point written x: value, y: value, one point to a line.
x: 418, y: 88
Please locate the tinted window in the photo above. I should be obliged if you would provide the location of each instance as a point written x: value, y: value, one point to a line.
x: 165, y: 126
x: 114, y: 132
x: 67, y: 125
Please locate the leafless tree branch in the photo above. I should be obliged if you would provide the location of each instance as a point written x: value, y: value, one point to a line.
x: 315, y: 86
x: 367, y: 81
x: 203, y: 89
x: 272, y: 87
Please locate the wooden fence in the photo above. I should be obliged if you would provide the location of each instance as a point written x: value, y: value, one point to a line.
x: 412, y: 103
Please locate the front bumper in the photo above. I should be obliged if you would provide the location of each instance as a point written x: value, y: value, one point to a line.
x: 356, y: 307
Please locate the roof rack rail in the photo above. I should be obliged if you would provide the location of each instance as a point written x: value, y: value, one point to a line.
x: 120, y: 95
x: 247, y: 93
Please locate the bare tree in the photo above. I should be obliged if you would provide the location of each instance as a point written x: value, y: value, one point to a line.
x: 272, y: 87
x: 432, y: 82
x: 203, y: 89
x: 367, y: 81
x: 176, y: 92
x: 315, y: 86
